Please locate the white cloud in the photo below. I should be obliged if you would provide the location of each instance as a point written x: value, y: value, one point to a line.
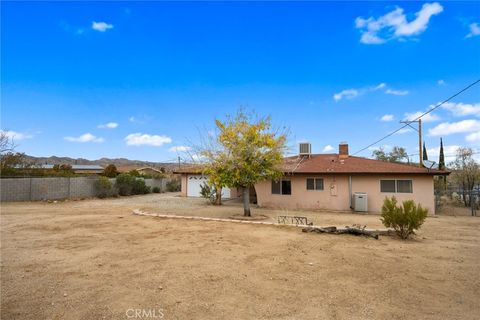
x: 13, y: 135
x: 448, y: 128
x: 394, y: 24
x: 441, y: 82
x: 404, y: 130
x: 180, y: 149
x: 462, y: 109
x: 380, y: 86
x: 101, y: 26
x: 139, y: 139
x: 474, y: 30
x: 387, y: 118
x: 87, y: 137
x: 328, y: 148
x: 429, y: 117
x: 473, y: 137
x: 347, y: 94
x: 397, y: 92
x: 110, y: 125
x: 353, y: 93
x: 448, y: 151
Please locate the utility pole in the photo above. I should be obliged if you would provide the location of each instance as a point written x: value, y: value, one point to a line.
x: 420, y: 147
x: 419, y: 130
x: 178, y: 162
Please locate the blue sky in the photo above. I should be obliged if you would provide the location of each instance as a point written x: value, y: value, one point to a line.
x: 139, y: 80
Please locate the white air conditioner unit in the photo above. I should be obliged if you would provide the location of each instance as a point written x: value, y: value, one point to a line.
x: 305, y: 149
x: 360, y: 202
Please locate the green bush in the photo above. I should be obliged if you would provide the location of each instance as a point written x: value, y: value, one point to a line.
x: 110, y: 171
x: 156, y: 190
x: 134, y: 173
x: 103, y: 187
x: 129, y: 185
x: 208, y: 192
x: 124, y: 184
x: 173, y: 185
x: 139, y: 187
x: 403, y: 219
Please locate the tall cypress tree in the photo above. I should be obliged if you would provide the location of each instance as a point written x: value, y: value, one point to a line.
x: 441, y: 160
x: 424, y: 156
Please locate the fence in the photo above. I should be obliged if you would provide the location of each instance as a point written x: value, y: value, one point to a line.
x: 468, y: 198
x: 57, y: 188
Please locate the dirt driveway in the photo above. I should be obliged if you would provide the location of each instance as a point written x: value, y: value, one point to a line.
x: 93, y: 259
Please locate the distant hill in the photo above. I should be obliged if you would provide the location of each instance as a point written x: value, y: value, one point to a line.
x: 122, y: 164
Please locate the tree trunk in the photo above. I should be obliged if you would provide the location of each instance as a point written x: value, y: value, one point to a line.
x: 246, y: 202
x: 218, y: 196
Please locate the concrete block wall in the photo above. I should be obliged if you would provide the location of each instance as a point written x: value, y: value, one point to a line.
x: 83, y: 187
x: 46, y: 188
x: 49, y: 188
x: 15, y: 189
x: 160, y: 183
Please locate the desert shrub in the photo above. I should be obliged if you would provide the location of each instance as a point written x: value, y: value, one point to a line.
x: 129, y: 185
x: 124, y: 184
x: 134, y: 173
x: 103, y: 187
x: 404, y: 219
x: 139, y: 187
x: 156, y: 190
x: 173, y: 185
x: 207, y: 191
x: 110, y: 171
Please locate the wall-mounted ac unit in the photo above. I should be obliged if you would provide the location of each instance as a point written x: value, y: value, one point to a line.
x: 305, y: 149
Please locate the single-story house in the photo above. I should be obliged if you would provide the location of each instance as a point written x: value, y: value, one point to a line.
x: 339, y: 182
x: 149, y: 171
x: 78, y: 168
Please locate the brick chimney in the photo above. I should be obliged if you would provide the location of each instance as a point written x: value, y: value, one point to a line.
x: 343, y: 150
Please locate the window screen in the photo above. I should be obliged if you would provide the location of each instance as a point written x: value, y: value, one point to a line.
x: 387, y: 185
x: 286, y: 187
x: 314, y: 184
x: 310, y: 184
x: 319, y: 184
x: 275, y: 187
x: 404, y: 186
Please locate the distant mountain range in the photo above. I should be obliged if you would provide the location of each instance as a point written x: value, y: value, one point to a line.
x: 121, y: 163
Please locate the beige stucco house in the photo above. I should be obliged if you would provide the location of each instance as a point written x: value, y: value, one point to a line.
x: 340, y: 182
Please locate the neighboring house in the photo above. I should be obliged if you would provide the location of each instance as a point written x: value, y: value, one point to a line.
x: 340, y: 182
x: 79, y: 168
x: 149, y: 171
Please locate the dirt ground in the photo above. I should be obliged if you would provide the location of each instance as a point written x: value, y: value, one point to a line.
x: 93, y: 259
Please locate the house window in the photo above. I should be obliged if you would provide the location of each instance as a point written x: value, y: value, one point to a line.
x: 396, y: 186
x: 404, y: 186
x: 281, y: 187
x: 314, y: 184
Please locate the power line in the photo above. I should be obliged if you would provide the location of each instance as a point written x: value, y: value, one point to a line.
x: 420, y: 116
x: 446, y: 154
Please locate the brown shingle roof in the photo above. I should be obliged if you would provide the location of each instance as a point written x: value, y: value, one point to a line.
x: 190, y: 168
x: 331, y: 163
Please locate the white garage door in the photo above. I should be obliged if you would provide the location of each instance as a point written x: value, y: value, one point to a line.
x: 194, y: 184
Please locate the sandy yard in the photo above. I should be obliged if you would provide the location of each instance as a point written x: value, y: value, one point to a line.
x: 93, y: 259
